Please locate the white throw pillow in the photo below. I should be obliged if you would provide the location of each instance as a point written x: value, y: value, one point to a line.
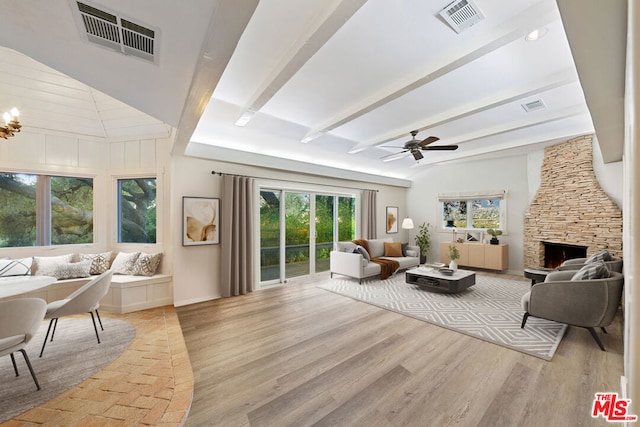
x: 16, y: 267
x: 124, y: 262
x: 72, y: 270
x: 147, y: 264
x: 99, y: 262
x: 46, y: 265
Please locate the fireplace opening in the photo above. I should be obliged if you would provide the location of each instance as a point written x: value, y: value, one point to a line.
x: 556, y: 253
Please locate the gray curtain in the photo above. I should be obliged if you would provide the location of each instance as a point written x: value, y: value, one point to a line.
x: 237, y: 236
x: 369, y: 214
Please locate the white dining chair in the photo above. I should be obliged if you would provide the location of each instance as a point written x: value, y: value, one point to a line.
x: 19, y: 321
x: 85, y: 299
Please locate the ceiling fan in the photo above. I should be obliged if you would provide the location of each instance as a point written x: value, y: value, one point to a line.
x: 415, y: 147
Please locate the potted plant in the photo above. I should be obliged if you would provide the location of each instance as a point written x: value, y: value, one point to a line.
x: 423, y: 241
x: 494, y: 233
x: 454, y: 255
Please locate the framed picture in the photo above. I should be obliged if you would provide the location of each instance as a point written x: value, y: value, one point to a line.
x: 200, y: 221
x: 392, y: 219
x: 474, y: 236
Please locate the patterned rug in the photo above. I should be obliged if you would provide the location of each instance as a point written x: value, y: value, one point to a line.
x: 489, y: 310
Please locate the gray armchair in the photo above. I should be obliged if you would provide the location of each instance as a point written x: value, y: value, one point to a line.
x: 590, y: 304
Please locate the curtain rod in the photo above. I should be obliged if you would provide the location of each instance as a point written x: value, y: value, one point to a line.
x: 261, y: 177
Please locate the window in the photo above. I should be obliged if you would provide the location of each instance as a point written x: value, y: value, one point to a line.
x: 137, y: 210
x: 44, y: 210
x: 473, y: 210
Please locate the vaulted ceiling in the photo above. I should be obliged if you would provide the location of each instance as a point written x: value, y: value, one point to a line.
x: 323, y: 85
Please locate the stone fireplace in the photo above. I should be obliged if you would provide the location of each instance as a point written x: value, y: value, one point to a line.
x: 570, y: 208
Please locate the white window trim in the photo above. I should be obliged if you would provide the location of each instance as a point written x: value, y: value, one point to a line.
x: 493, y: 194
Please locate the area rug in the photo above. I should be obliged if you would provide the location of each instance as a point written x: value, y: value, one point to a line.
x: 73, y: 356
x: 489, y: 310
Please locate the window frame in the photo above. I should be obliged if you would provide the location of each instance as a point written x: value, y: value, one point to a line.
x: 43, y: 212
x: 116, y: 207
x: 469, y: 197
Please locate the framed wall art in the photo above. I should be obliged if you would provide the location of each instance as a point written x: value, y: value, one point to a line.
x: 200, y: 221
x: 392, y: 219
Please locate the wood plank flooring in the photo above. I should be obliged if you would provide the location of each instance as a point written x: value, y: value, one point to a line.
x: 297, y: 355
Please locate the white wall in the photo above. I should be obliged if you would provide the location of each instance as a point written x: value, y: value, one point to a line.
x: 509, y: 174
x: 196, y: 268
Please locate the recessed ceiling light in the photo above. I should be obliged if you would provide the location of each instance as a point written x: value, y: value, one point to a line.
x: 245, y: 118
x: 536, y: 34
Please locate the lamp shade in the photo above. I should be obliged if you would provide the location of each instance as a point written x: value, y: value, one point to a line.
x: 407, y: 223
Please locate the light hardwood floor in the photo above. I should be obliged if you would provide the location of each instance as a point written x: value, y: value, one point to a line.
x: 297, y: 355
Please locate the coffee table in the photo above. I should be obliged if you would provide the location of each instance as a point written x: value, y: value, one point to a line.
x: 432, y: 280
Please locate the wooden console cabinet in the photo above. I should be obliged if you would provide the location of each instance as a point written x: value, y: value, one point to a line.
x: 479, y: 255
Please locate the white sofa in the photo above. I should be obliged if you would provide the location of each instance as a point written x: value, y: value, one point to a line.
x: 343, y: 261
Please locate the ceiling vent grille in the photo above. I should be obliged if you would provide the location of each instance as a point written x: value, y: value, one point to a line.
x: 112, y: 31
x: 462, y: 14
x: 538, y: 104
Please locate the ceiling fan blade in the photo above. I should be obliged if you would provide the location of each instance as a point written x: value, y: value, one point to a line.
x: 441, y: 148
x: 395, y: 156
x: 417, y: 154
x: 428, y: 141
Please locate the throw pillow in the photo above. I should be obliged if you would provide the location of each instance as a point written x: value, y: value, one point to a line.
x: 99, y: 262
x: 124, y: 262
x: 364, y: 253
x: 16, y: 267
x: 599, y: 256
x: 412, y: 253
x: 147, y: 264
x: 46, y: 265
x: 392, y: 249
x: 72, y: 270
x: 594, y: 270
x: 404, y: 249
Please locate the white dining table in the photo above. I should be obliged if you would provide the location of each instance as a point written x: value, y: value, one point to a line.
x: 17, y: 285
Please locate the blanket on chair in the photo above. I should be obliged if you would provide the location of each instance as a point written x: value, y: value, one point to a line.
x: 387, y: 266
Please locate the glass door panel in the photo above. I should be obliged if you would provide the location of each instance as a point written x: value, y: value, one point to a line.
x: 346, y: 218
x: 324, y: 221
x: 297, y: 234
x: 269, y: 235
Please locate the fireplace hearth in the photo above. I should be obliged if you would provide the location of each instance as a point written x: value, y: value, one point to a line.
x: 556, y: 253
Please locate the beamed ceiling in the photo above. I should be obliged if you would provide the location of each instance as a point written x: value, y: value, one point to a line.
x: 325, y: 86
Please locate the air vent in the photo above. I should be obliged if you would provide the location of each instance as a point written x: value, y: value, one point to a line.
x: 462, y: 14
x: 538, y: 104
x: 117, y: 33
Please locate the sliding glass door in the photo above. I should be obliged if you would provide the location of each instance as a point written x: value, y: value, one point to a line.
x: 298, y: 230
x: 297, y: 235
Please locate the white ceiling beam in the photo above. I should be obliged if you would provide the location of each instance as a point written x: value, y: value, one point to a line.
x: 535, y: 17
x: 553, y: 82
x: 302, y: 51
x: 229, y: 20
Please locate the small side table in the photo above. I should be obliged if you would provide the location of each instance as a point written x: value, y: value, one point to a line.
x: 537, y: 274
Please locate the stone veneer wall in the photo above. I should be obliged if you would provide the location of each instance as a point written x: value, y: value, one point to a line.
x: 570, y: 207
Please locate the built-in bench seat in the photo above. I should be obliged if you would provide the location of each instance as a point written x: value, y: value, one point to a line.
x: 126, y: 293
